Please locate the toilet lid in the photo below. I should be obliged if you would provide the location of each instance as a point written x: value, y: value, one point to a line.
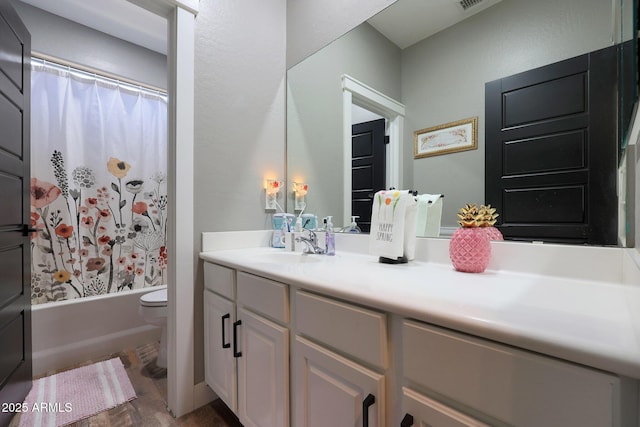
x: 154, y: 299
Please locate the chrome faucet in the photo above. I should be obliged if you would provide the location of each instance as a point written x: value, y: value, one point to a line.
x: 311, y: 242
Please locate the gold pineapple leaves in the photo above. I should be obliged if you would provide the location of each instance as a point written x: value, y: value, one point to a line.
x: 473, y: 216
x: 467, y: 217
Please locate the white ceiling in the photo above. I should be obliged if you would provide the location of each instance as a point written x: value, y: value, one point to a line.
x: 118, y: 18
x: 404, y: 22
x: 408, y: 21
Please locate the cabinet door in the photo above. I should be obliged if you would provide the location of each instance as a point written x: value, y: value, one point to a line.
x: 220, y: 365
x: 420, y: 410
x: 263, y: 372
x: 331, y: 390
x: 518, y: 387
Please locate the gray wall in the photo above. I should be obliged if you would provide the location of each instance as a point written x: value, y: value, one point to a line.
x: 240, y: 69
x: 64, y: 39
x: 312, y: 24
x: 314, y: 111
x: 240, y: 73
x: 443, y: 79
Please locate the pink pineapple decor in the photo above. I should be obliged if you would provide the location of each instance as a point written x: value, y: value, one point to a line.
x: 486, y: 220
x: 469, y: 249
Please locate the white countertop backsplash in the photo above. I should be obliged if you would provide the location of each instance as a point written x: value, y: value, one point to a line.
x: 578, y: 303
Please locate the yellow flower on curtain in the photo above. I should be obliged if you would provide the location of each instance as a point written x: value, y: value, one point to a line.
x: 117, y: 167
x: 62, y: 276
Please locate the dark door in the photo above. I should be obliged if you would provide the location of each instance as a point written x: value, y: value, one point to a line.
x: 367, y: 168
x: 551, y: 151
x: 15, y: 273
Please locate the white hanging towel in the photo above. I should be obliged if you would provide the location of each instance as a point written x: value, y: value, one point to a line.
x: 429, y: 215
x: 393, y: 224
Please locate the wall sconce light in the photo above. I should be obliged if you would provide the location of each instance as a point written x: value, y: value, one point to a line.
x: 272, y: 187
x: 300, y: 190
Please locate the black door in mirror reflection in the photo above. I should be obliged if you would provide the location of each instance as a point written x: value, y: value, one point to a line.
x: 367, y: 168
x: 551, y: 154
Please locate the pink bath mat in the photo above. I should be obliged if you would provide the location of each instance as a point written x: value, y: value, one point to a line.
x: 69, y: 396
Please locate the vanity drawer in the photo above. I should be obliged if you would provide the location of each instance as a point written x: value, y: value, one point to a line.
x: 219, y: 279
x: 514, y: 386
x: 425, y: 411
x: 264, y: 296
x: 356, y: 331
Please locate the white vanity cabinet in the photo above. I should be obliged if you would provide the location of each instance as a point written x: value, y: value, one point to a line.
x: 219, y: 317
x: 247, y: 345
x: 340, y: 355
x: 496, y: 382
x: 296, y: 353
x: 263, y: 365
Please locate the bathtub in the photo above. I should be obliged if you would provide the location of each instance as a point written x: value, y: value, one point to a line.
x: 68, y: 332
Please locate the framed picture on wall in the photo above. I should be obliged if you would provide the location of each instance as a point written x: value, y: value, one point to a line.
x: 451, y: 137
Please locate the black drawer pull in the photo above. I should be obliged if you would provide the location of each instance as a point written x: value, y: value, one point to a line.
x: 236, y: 353
x: 407, y: 421
x: 366, y: 403
x: 224, y: 343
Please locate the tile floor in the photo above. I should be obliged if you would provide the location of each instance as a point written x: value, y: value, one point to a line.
x: 149, y: 408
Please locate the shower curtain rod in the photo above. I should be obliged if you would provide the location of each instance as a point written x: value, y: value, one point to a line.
x: 94, y: 72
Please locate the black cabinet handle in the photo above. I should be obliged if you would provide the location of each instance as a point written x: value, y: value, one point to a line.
x: 366, y: 403
x: 225, y: 344
x: 236, y: 353
x: 407, y: 421
x: 27, y: 229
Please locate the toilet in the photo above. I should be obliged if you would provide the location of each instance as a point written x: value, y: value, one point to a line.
x: 153, y: 309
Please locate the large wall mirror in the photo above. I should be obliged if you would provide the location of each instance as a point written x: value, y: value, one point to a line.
x: 438, y: 79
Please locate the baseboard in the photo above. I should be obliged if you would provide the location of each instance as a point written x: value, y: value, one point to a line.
x: 63, y: 356
x: 202, y: 395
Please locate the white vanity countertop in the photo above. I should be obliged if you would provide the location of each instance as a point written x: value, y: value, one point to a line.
x: 595, y: 323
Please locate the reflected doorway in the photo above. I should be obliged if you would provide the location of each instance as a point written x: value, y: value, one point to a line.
x: 355, y: 93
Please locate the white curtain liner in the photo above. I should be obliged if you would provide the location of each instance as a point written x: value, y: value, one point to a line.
x: 61, y: 70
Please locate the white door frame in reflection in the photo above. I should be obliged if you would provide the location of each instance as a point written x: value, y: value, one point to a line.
x: 358, y: 93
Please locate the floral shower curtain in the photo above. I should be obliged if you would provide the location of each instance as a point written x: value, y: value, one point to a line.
x: 98, y: 185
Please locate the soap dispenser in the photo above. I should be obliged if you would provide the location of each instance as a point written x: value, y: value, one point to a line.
x: 353, y: 227
x: 330, y: 238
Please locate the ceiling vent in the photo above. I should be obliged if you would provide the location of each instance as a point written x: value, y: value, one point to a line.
x: 468, y: 4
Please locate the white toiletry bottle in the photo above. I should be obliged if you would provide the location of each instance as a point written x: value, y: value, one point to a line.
x: 353, y: 228
x: 330, y: 238
x: 279, y: 229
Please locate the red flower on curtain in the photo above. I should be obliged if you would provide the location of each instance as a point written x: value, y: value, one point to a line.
x: 43, y: 193
x: 139, y: 208
x: 94, y: 264
x: 65, y: 231
x: 104, y: 240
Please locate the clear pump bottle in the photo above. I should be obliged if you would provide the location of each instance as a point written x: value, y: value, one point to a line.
x: 330, y: 238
